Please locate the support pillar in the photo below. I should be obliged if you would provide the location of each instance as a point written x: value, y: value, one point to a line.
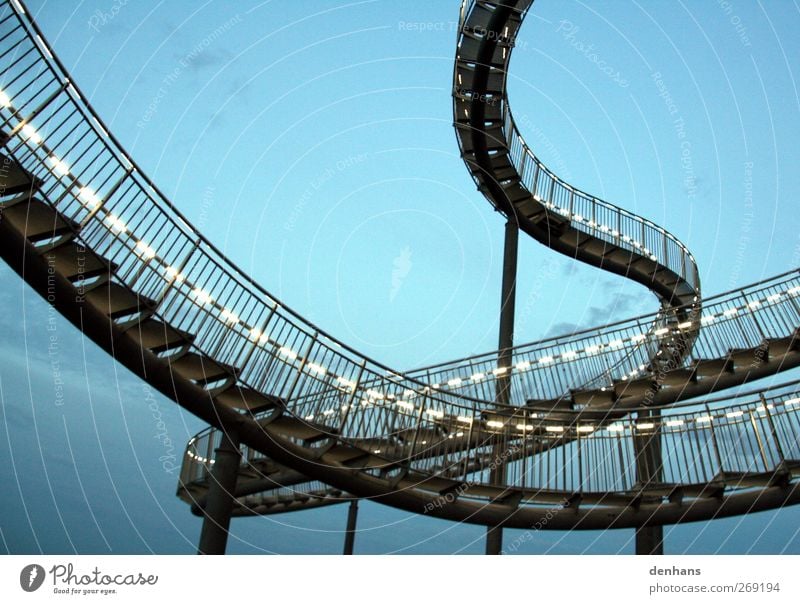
x: 494, y: 534
x: 350, y: 533
x: 649, y: 469
x: 219, y: 503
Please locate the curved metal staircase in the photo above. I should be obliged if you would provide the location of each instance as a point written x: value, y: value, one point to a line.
x: 591, y: 423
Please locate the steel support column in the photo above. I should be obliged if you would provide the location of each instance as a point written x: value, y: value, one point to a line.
x: 649, y: 469
x: 222, y: 485
x: 497, y: 475
x: 350, y: 533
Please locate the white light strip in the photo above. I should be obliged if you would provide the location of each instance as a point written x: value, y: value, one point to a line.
x: 30, y: 133
x: 144, y: 250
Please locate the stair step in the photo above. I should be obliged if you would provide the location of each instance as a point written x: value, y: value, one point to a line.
x: 709, y: 368
x: 749, y: 357
x: 778, y: 347
x: 37, y: 221
x: 593, y: 397
x: 74, y: 261
x: 13, y: 178
x: 156, y: 335
x: 679, y: 377
x: 246, y: 399
x: 753, y: 479
x: 638, y: 387
x: 200, y: 368
x: 116, y: 300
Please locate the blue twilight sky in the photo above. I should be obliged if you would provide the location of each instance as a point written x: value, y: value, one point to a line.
x: 312, y: 142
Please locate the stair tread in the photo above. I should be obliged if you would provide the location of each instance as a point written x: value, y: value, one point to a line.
x: 116, y: 300
x: 156, y: 335
x: 199, y: 367
x: 37, y: 220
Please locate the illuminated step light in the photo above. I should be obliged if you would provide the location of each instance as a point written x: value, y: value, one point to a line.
x: 791, y: 401
x: 753, y: 304
x: 524, y: 427
x: 523, y: 365
x: 5, y: 101
x: 500, y: 370
x: 685, y: 325
x: 603, y: 228
x: 287, y: 353
x: 376, y: 451
x: 494, y: 424
x: 88, y: 198
x: 730, y: 312
x: 318, y: 369
x: 592, y: 349
x: 464, y: 419
x: 675, y: 422
x: 585, y: 428
x: 615, y: 428
x: 570, y: 354
x: 375, y: 394
x: 229, y: 317
x: 116, y: 224
x: 707, y: 319
x: 435, y: 413
x: 459, y: 434
x: 645, y: 426
x: 554, y: 429
x: 545, y: 360
x: 30, y: 133
x: 144, y: 250
x: 405, y: 405
x: 172, y: 273
x: 454, y: 382
x: 258, y: 336
x: 60, y: 167
x: 345, y: 382
x: 615, y: 233
x: 577, y: 218
x: 328, y: 412
x: 795, y: 291
x: 773, y: 298
x: 638, y: 338
x: 703, y: 419
x: 733, y: 414
x: 201, y: 296
x: 662, y: 331
x: 478, y: 377
x: 615, y: 344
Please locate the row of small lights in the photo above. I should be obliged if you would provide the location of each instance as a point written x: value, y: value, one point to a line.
x: 91, y: 200
x: 457, y: 382
x: 702, y: 420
